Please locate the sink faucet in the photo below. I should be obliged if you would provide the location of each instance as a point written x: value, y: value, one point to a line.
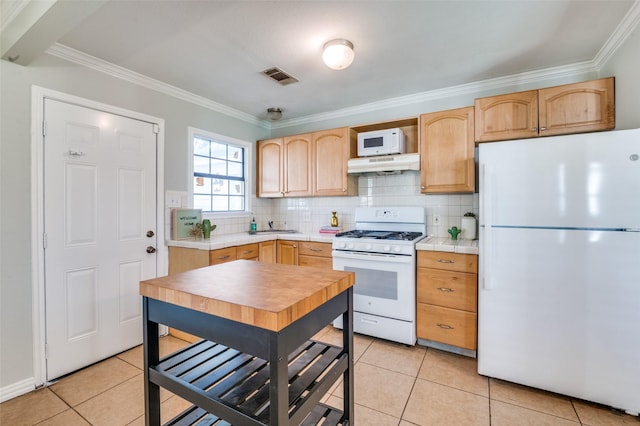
x: 270, y: 223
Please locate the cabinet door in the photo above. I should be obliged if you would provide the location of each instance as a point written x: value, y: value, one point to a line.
x: 446, y: 151
x: 287, y: 252
x: 510, y: 116
x: 332, y: 150
x: 578, y: 107
x: 298, y: 166
x: 270, y: 168
x: 222, y: 255
x: 268, y: 252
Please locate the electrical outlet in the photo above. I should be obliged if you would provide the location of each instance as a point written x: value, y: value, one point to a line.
x: 173, y: 199
x: 436, y: 219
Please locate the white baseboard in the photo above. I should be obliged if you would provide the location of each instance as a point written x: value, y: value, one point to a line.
x: 17, y: 389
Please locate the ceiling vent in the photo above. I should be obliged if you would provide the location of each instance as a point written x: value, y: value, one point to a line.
x: 279, y: 76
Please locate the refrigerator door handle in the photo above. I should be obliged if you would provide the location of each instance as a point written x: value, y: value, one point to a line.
x: 486, y: 192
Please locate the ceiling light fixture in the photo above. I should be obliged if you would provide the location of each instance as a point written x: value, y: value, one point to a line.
x: 338, y: 54
x: 274, y: 113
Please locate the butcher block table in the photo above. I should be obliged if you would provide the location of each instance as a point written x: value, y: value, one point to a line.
x: 255, y: 364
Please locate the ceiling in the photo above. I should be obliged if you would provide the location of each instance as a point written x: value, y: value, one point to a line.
x: 217, y: 49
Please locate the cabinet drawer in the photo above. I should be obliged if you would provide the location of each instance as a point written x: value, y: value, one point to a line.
x: 321, y: 262
x: 445, y: 325
x: 457, y: 290
x: 449, y: 261
x: 222, y: 255
x: 248, y: 251
x: 311, y: 248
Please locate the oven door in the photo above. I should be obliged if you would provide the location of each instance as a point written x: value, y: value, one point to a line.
x: 385, y: 284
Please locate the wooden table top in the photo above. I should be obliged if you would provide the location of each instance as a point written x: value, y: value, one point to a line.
x: 265, y: 295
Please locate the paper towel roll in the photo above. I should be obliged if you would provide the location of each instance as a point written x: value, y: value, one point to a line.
x: 468, y: 228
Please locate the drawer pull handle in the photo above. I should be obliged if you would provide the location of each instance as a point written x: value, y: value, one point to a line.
x: 446, y: 261
x: 315, y: 249
x: 246, y: 252
x: 445, y: 326
x: 223, y: 257
x: 446, y: 289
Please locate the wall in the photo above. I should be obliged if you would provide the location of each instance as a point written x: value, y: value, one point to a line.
x: 16, y: 338
x: 625, y: 65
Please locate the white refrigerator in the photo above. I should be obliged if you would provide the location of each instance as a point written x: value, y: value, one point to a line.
x: 559, y: 273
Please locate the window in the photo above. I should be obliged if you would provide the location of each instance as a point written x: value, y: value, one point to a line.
x: 219, y: 172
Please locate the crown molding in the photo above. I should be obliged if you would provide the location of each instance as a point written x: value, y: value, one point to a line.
x: 80, y: 58
x: 624, y: 29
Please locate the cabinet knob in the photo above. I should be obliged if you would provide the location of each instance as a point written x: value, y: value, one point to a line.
x: 542, y: 129
x: 535, y: 129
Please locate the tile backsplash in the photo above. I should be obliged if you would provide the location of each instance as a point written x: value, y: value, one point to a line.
x: 309, y: 214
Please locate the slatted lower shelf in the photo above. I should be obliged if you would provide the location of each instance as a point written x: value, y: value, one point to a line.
x: 223, y: 378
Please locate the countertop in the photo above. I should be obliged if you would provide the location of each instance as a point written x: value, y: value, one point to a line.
x: 265, y: 295
x: 230, y: 240
x: 446, y: 244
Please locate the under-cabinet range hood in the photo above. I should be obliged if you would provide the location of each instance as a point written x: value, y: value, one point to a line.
x: 384, y: 163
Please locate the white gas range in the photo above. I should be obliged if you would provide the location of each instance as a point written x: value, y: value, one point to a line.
x: 381, y: 252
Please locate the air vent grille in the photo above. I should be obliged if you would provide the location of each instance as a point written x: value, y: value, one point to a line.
x: 279, y: 76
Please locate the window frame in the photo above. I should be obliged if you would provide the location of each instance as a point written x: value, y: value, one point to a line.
x: 248, y: 160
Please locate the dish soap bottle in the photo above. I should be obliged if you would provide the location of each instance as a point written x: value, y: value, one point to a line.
x: 254, y: 225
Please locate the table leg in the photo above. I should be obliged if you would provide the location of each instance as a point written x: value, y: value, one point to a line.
x: 279, y: 382
x: 151, y: 354
x: 347, y: 344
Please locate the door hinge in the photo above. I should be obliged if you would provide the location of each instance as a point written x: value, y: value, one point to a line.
x: 44, y: 128
x: 44, y: 240
x: 156, y: 129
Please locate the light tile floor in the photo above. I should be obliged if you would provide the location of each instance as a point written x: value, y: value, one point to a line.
x: 395, y: 385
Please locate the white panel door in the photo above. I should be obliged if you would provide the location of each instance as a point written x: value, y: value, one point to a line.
x: 99, y: 220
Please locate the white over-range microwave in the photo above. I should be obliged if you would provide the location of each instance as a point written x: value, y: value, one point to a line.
x: 381, y: 142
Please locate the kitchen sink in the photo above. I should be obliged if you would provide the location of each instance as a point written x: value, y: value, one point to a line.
x: 275, y: 231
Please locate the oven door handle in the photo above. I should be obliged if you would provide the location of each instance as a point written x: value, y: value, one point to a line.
x: 372, y: 257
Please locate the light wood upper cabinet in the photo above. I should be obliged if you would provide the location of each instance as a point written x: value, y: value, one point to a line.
x: 576, y: 108
x: 447, y: 151
x: 510, y: 116
x: 571, y: 108
x: 332, y: 150
x: 298, y: 160
x: 270, y: 168
x: 311, y: 164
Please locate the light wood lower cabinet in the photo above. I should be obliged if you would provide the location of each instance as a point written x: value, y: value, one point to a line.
x: 185, y: 259
x: 447, y: 296
x: 287, y: 252
x: 267, y: 251
x: 248, y: 251
x: 312, y: 253
x: 222, y: 255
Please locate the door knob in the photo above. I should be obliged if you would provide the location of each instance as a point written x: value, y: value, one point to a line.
x: 150, y: 234
x: 151, y: 249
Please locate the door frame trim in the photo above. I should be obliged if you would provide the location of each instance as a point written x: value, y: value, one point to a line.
x: 38, y: 95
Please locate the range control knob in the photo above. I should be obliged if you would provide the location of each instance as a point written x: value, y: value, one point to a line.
x: 368, y: 247
x: 396, y: 249
x: 350, y: 246
x: 386, y: 248
x: 342, y: 245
